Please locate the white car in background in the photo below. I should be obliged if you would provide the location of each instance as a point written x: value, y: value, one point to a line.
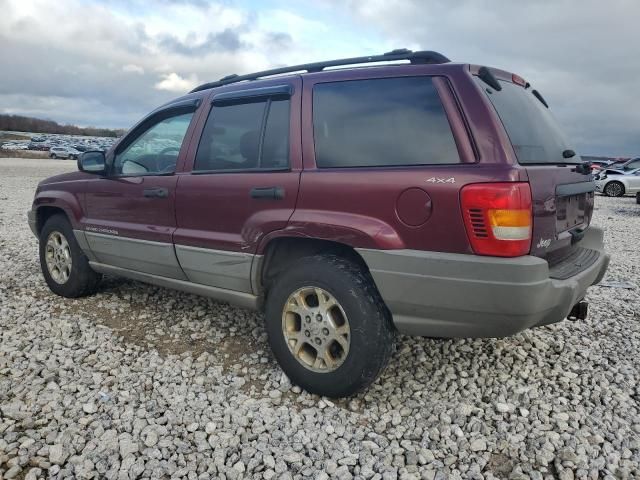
x: 616, y: 183
x: 63, y: 152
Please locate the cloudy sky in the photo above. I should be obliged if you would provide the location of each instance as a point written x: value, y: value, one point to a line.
x: 107, y: 63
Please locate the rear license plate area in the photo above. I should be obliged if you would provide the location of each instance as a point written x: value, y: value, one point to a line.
x: 570, y: 211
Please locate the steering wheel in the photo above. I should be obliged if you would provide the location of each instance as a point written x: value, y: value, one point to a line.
x: 169, y: 149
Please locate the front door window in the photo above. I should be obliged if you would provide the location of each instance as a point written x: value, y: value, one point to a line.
x: 156, y: 150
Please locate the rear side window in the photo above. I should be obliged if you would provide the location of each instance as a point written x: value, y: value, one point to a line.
x: 533, y: 131
x: 245, y: 136
x: 381, y: 122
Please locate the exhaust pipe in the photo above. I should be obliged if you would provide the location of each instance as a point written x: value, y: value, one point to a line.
x: 579, y: 311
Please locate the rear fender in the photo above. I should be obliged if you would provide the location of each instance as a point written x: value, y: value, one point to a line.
x: 357, y: 231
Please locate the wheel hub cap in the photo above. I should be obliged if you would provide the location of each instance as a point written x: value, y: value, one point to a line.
x: 316, y: 329
x: 58, y: 257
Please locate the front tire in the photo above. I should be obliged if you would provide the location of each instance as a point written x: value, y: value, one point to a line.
x: 64, y: 266
x: 614, y: 189
x: 53, y: 156
x: 328, y: 326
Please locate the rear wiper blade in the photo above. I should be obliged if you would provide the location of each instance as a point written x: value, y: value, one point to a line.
x: 539, y: 96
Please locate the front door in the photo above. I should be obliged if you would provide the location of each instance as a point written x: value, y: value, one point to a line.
x: 130, y: 213
x: 243, y: 184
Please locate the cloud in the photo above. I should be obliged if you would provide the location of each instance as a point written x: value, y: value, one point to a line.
x: 580, y: 55
x: 132, y: 68
x: 172, y: 82
x: 122, y: 59
x: 227, y: 40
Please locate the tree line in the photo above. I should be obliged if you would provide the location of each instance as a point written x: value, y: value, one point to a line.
x: 19, y: 123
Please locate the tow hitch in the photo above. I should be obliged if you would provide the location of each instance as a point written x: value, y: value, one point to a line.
x: 579, y: 311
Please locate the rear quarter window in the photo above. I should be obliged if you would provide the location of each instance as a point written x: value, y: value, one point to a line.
x: 381, y: 122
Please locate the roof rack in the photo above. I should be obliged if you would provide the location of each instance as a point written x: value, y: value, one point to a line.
x: 398, y: 54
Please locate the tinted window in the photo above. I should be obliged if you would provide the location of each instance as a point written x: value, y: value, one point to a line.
x: 156, y: 150
x: 275, y: 150
x: 231, y: 139
x: 534, y: 133
x: 383, y: 122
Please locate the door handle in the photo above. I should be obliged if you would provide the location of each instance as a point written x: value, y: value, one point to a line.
x: 269, y: 193
x: 156, y: 192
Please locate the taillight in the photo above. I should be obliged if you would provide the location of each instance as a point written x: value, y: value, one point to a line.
x: 498, y: 218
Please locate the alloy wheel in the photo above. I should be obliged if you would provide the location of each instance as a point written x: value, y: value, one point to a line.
x: 614, y: 189
x: 58, y: 257
x: 316, y: 329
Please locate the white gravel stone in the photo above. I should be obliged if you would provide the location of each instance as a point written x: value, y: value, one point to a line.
x: 143, y: 382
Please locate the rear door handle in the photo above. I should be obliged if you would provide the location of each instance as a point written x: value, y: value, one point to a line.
x: 156, y: 192
x: 269, y: 193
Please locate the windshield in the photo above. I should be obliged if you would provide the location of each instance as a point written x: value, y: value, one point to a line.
x: 534, y: 133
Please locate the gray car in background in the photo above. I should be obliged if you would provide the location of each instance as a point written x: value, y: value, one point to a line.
x: 63, y: 152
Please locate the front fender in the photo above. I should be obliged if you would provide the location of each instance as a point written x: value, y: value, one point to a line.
x: 69, y: 201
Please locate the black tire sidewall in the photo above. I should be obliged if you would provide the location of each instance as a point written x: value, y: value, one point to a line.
x: 82, y: 279
x: 371, y: 339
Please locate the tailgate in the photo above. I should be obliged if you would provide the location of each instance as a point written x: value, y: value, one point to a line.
x: 562, y: 188
x: 562, y: 208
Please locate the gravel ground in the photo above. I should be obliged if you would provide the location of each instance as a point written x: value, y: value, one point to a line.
x: 140, y: 381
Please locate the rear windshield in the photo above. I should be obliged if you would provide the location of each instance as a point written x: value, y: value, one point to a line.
x: 534, y: 132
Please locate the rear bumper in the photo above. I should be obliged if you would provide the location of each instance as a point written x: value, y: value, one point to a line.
x: 453, y: 295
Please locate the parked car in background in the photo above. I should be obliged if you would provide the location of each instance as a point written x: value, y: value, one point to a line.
x: 63, y: 152
x: 616, y: 183
x: 427, y: 198
x: 40, y: 146
x: 629, y: 165
x: 597, y: 165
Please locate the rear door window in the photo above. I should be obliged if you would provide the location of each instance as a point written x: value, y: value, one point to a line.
x: 381, y: 122
x: 534, y: 133
x: 245, y: 136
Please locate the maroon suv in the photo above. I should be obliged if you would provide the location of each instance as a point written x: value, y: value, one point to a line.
x: 427, y: 198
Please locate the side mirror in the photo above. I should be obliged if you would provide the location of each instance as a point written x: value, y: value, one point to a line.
x: 92, y: 161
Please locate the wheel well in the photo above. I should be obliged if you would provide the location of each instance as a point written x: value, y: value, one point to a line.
x: 282, y: 252
x: 44, y: 213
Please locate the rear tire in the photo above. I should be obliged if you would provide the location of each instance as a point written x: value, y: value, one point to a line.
x: 64, y: 266
x: 638, y: 198
x: 355, y: 359
x: 614, y: 189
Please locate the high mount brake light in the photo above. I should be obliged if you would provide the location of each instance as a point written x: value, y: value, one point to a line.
x: 518, y: 80
x: 498, y: 218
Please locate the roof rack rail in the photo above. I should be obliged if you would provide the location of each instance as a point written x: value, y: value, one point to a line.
x: 422, y: 57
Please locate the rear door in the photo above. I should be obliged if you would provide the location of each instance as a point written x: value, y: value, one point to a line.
x: 243, y: 183
x: 562, y: 191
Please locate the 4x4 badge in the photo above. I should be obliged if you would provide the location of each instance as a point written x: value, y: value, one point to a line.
x: 441, y: 180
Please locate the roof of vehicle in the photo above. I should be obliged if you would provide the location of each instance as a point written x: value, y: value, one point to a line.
x: 420, y: 57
